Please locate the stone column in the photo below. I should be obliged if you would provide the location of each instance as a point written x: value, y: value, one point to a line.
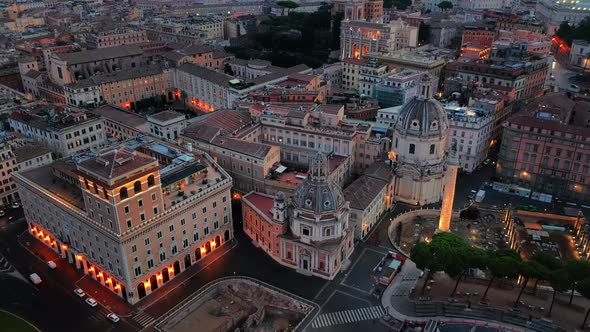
x: 450, y: 181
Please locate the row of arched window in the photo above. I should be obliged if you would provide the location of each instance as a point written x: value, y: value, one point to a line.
x: 123, y: 193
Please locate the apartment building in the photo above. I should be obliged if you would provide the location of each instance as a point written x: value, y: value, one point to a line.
x: 580, y: 53
x: 398, y: 89
x: 546, y: 148
x: 167, y: 125
x: 8, y: 166
x: 470, y: 129
x: 115, y: 37
x: 551, y: 13
x: 70, y: 67
x: 133, y: 216
x: 121, y: 123
x: 31, y: 155
x: 358, y: 38
x: 64, y: 130
x: 123, y: 88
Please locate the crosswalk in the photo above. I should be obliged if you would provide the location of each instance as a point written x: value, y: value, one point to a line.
x: 347, y: 316
x: 5, y: 265
x: 143, y: 318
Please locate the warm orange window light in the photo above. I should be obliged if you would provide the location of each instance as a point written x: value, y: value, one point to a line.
x: 203, y: 250
x: 91, y: 268
x: 212, y: 243
x: 146, y: 284
x: 78, y: 257
x: 64, y: 247
x: 47, y: 238
x: 109, y: 280
x: 99, y: 274
x: 159, y: 276
x: 170, y: 269
x: 118, y: 287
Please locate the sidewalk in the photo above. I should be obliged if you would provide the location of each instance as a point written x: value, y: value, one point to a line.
x: 178, y: 281
x: 67, y: 274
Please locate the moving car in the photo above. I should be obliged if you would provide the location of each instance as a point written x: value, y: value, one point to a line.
x: 91, y: 302
x: 51, y: 265
x: 487, y: 161
x: 35, y: 278
x: 79, y: 292
x: 114, y: 318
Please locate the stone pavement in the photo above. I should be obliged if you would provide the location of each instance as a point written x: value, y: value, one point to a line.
x: 437, y: 303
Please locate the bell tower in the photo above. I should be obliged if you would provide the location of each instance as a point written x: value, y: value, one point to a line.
x: 279, y: 209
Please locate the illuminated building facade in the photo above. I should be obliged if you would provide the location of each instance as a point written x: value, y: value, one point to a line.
x: 133, y: 216
x: 545, y: 148
x: 311, y: 232
x: 358, y: 38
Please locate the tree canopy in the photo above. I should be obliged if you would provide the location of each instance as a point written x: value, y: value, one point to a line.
x: 445, y: 5
x: 399, y: 4
x: 568, y: 32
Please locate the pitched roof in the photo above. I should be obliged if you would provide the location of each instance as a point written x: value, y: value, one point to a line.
x: 29, y: 151
x: 363, y: 191
x: 216, y: 77
x: 228, y: 121
x: 99, y: 54
x: 114, y: 163
x: 201, y: 132
x: 260, y: 201
x: 256, y: 150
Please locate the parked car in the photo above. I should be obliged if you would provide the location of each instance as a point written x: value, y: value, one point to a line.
x: 35, y: 278
x: 51, y: 265
x: 2, y: 213
x: 472, y: 194
x: 79, y: 292
x: 574, y: 88
x: 15, y: 205
x: 91, y: 302
x: 487, y: 161
x: 488, y: 184
x: 114, y: 318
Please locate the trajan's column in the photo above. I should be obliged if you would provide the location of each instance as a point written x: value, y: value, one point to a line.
x: 446, y: 210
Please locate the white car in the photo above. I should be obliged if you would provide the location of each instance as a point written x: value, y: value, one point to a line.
x: 79, y: 292
x: 51, y: 265
x: 35, y: 278
x: 2, y: 213
x: 114, y: 318
x: 91, y: 302
x: 487, y: 161
x: 15, y: 205
x: 574, y: 88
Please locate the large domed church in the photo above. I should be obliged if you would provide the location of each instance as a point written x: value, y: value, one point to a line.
x: 420, y: 148
x: 309, y: 232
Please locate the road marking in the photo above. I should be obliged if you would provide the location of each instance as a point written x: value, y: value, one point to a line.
x: 347, y: 316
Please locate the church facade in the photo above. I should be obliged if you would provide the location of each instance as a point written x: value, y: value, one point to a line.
x: 420, y: 148
x: 309, y: 232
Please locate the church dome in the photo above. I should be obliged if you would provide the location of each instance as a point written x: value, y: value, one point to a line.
x: 423, y: 116
x: 317, y: 193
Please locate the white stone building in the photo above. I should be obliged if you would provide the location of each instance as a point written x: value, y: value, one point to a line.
x: 420, y: 144
x: 471, y: 130
x: 167, y: 125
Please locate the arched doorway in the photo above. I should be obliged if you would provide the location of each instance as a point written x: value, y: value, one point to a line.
x: 226, y: 235
x: 217, y: 241
x: 165, y: 275
x: 140, y: 290
x: 197, y: 254
x: 187, y: 261
x: 153, y: 283
x: 176, y: 267
x: 207, y: 247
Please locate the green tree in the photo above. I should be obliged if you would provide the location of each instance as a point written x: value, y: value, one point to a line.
x: 502, y: 264
x: 471, y: 258
x: 577, y: 270
x: 547, y: 264
x: 560, y: 281
x: 583, y: 288
x: 445, y: 5
x: 423, y: 33
x: 422, y: 257
x: 565, y: 32
x: 287, y: 4
x: 528, y: 270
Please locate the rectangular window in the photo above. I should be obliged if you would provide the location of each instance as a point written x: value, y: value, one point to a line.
x: 159, y: 234
x: 171, y: 228
x: 147, y: 241
x: 140, y: 203
x: 133, y: 248
x: 182, y: 222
